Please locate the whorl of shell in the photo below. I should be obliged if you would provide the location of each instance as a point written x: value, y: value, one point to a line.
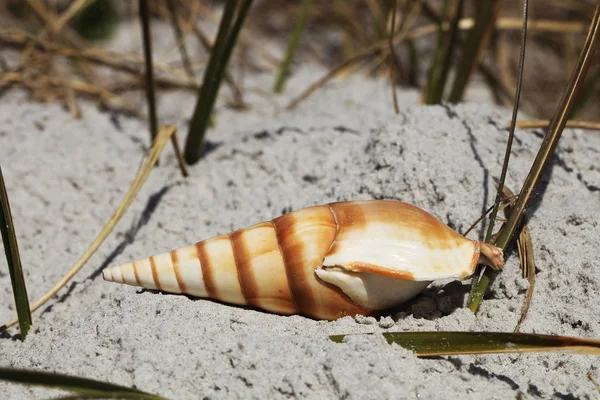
x: 326, y: 262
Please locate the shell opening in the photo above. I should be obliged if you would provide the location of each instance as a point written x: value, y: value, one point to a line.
x: 371, y: 291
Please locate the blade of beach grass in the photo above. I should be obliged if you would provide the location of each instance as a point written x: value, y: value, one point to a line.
x: 159, y: 143
x: 535, y: 124
x: 86, y: 388
x: 434, y: 87
x: 231, y: 23
x: 544, y: 154
x: 454, y: 343
x: 293, y: 42
x: 461, y: 24
x: 149, y: 71
x: 11, y: 249
x: 476, y: 293
x: 474, y: 45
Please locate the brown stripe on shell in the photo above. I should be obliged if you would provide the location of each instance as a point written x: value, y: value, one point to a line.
x: 280, y: 235
x: 175, y: 262
x: 296, y: 277
x: 347, y: 215
x: 244, y: 268
x: 135, y: 272
x: 207, y: 271
x: 304, y: 237
x: 122, y: 277
x: 154, y: 273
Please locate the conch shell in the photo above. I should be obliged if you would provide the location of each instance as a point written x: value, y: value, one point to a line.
x: 325, y: 262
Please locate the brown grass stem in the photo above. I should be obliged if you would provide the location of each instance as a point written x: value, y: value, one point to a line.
x: 148, y: 70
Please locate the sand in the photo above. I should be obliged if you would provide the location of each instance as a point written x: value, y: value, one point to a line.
x: 65, y: 178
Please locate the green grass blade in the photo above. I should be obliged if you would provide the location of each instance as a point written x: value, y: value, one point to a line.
x: 433, y: 91
x: 233, y: 18
x: 13, y: 259
x: 544, y: 154
x: 449, y: 49
x: 293, y: 42
x: 477, y: 290
x: 474, y: 45
x: 452, y: 343
x: 74, y: 384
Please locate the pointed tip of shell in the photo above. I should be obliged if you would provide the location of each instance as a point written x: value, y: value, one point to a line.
x: 106, y: 275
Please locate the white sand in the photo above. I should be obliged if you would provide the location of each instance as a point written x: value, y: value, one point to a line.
x: 66, y: 177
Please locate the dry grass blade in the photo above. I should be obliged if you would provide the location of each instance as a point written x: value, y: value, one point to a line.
x: 358, y: 57
x: 525, y: 248
x: 11, y: 249
x: 86, y: 388
x: 454, y: 343
x: 540, y: 124
x: 76, y: 85
x: 149, y: 73
x: 474, y: 45
x: 293, y: 42
x: 526, y: 259
x: 380, y: 48
x: 126, y: 62
x: 179, y: 156
x: 159, y: 143
x: 179, y: 35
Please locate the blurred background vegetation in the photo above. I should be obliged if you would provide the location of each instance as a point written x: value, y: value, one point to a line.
x: 62, y: 47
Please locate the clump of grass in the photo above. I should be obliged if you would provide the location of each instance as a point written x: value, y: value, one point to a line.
x: 543, y: 156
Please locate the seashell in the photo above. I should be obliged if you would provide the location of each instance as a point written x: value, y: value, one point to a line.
x: 325, y: 262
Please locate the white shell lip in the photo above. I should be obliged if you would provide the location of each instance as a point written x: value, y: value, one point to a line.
x: 372, y: 291
x: 407, y: 260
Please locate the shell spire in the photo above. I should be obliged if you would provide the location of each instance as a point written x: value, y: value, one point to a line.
x: 328, y: 261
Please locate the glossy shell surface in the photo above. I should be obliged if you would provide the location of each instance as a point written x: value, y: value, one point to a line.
x: 326, y: 262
